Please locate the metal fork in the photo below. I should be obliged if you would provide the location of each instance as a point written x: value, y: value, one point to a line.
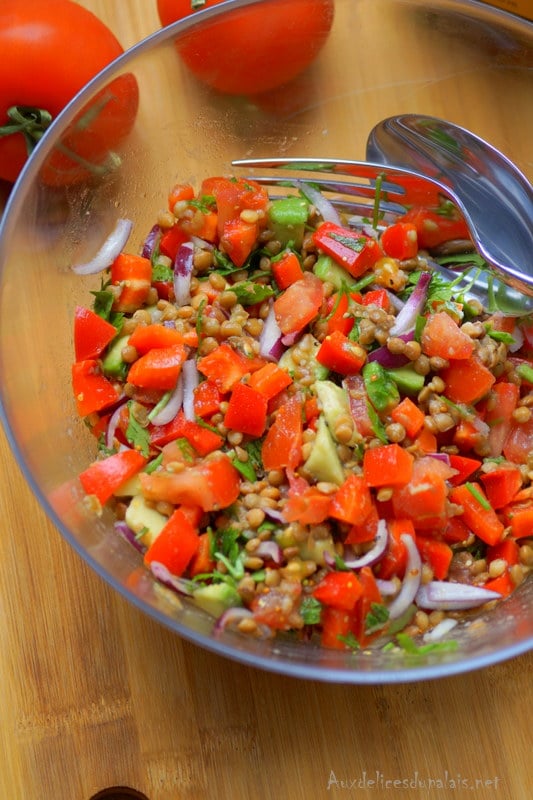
x: 371, y: 194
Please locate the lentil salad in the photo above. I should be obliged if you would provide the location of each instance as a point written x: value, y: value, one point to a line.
x: 301, y: 425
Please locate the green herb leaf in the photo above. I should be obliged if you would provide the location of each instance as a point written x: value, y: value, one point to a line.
x: 136, y: 435
x: 162, y: 272
x: 499, y: 336
x: 525, y: 372
x: 377, y: 426
x: 245, y: 468
x: 154, y: 464
x: 409, y: 646
x: 249, y: 293
x: 349, y: 640
x: 310, y: 610
x: 376, y: 618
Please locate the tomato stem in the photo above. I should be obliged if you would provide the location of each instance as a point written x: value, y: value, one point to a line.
x: 31, y: 122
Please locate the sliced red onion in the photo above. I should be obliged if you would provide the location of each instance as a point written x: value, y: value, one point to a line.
x: 191, y: 379
x: 290, y: 338
x: 325, y: 207
x: 112, y: 425
x: 387, y: 359
x: 518, y: 337
x: 386, y: 588
x: 172, y: 406
x: 376, y: 551
x: 126, y: 532
x: 151, y: 241
x: 444, y: 457
x: 411, y: 581
x: 111, y: 248
x: 162, y: 574
x: 394, y: 300
x: 201, y: 243
x: 406, y: 319
x: 270, y: 345
x: 370, y: 231
x: 270, y: 551
x: 183, y: 266
x: 231, y: 618
x: 440, y: 630
x: 449, y: 596
x: 275, y: 514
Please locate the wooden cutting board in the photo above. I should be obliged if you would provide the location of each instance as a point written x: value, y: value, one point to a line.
x: 95, y: 695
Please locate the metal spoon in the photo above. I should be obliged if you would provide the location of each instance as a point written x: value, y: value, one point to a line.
x: 494, y: 196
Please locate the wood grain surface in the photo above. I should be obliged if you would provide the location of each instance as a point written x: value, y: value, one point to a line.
x: 93, y: 694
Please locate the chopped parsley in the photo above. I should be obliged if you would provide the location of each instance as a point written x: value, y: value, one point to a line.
x: 311, y: 610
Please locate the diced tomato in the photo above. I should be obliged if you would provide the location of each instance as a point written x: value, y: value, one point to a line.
x: 423, y: 498
x: 277, y: 606
x: 518, y: 441
x: 299, y: 303
x: 92, y: 334
x: 134, y: 275
x: 400, y: 240
x: 238, y: 239
x: 394, y: 561
x: 387, y: 465
x: 352, y: 502
x: 224, y: 367
x: 500, y: 405
x: 310, y: 507
x: 176, y: 545
x: 340, y: 354
x: 179, y: 193
x: 444, y: 338
x: 247, y: 410
x: 352, y: 250
x: 282, y: 446
x: 92, y: 390
x: 104, y: 477
x: 211, y: 484
x: 466, y: 380
x: 358, y: 400
x: 456, y: 531
x: 233, y: 195
x: 339, y: 590
x: 365, y: 531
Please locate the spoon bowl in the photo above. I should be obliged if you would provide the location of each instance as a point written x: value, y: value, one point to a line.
x: 494, y: 196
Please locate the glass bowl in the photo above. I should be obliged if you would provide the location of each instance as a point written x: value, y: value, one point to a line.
x: 463, y: 61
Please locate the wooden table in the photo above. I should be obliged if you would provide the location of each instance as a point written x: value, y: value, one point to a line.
x: 94, y: 694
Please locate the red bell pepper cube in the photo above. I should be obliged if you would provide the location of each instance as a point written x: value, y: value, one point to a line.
x: 92, y: 334
x: 201, y: 438
x: 176, y: 545
x: 369, y: 596
x: 340, y: 590
x: 179, y: 193
x: 336, y: 627
x: 202, y: 563
x: 521, y: 521
x: 352, y: 502
x: 501, y: 485
x: 400, y: 240
x: 503, y: 584
x: 104, y: 477
x: 207, y: 399
x: 270, y: 380
x: 352, y: 250
x: 154, y: 336
x: 387, y: 465
x: 433, y: 228
x: 409, y: 415
x: 247, y: 410
x: 394, y: 562
x: 365, y: 531
x: 465, y: 466
x: 340, y: 354
x: 508, y: 550
x: 159, y: 368
x: 376, y: 297
x: 435, y: 553
x: 477, y: 512
x: 287, y: 270
x: 171, y: 241
x: 92, y: 390
x: 238, y: 239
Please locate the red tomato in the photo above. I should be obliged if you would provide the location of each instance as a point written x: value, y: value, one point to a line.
x: 50, y: 50
x: 299, y: 304
x: 256, y: 49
